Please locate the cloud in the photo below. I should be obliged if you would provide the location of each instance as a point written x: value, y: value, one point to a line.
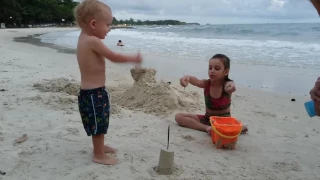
x: 277, y: 3
x: 215, y: 11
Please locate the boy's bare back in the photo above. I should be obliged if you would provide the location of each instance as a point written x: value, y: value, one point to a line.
x: 91, y: 54
x: 95, y: 19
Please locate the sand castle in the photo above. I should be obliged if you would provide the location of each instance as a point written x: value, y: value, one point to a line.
x: 154, y: 97
x: 146, y: 94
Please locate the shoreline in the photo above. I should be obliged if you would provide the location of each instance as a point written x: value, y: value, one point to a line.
x: 282, y: 142
x: 267, y: 78
x: 34, y: 40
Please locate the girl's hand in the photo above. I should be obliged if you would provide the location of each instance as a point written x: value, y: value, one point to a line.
x: 184, y: 81
x: 313, y: 95
x: 230, y: 87
x: 317, y: 107
x: 315, y: 91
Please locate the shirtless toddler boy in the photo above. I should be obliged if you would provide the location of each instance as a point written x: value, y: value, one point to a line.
x: 94, y: 18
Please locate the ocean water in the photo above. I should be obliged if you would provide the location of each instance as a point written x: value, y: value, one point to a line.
x: 291, y: 52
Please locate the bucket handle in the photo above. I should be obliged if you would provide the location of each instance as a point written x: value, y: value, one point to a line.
x: 224, y: 136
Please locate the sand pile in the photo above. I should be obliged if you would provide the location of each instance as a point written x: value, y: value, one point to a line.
x: 116, y: 91
x: 61, y: 85
x: 143, y: 75
x: 68, y: 102
x: 64, y: 103
x: 154, y: 97
x: 146, y: 95
x: 115, y: 109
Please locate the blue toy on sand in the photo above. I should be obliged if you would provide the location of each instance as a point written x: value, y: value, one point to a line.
x: 310, y: 108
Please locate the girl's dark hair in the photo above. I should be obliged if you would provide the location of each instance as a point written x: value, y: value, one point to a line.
x: 226, y: 62
x: 119, y: 41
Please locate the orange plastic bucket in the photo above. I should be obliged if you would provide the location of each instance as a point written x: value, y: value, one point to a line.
x: 225, y: 131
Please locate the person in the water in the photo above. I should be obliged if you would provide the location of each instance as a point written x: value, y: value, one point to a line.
x: 120, y: 43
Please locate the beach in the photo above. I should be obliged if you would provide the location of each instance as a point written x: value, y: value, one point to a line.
x: 38, y: 97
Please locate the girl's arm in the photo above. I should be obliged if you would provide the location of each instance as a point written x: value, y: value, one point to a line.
x: 194, y: 81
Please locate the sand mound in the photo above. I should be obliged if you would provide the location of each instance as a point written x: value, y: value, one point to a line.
x: 115, y: 109
x: 116, y: 91
x: 146, y: 95
x: 152, y: 97
x: 143, y: 75
x: 62, y: 85
x: 66, y: 102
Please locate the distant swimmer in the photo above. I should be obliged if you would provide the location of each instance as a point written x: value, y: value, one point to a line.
x: 120, y: 43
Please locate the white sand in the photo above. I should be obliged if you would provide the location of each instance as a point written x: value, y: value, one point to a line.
x: 283, y: 142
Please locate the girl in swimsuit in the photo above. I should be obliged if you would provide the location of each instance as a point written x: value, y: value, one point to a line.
x: 217, y: 94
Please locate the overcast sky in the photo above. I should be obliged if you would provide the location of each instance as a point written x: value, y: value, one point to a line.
x: 216, y: 11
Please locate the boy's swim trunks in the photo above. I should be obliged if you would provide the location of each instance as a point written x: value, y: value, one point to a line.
x: 94, y: 108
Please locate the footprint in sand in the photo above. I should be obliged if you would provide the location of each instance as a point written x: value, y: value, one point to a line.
x: 21, y: 139
x: 188, y: 137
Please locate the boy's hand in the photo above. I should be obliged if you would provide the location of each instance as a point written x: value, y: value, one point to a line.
x: 184, y: 81
x: 97, y: 45
x: 137, y: 58
x: 230, y: 87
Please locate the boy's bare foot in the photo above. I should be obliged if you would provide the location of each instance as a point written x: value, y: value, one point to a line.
x: 109, y: 149
x: 106, y: 160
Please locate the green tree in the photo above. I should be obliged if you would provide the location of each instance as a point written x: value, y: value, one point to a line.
x: 126, y: 21
x: 139, y: 22
x: 115, y: 21
x: 131, y: 21
x: 36, y: 11
x: 17, y: 12
x: 10, y: 11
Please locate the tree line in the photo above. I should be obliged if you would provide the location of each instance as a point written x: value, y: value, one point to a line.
x: 21, y: 13
x: 14, y: 13
x: 147, y: 22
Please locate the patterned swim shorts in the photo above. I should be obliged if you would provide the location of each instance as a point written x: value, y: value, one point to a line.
x: 94, y: 108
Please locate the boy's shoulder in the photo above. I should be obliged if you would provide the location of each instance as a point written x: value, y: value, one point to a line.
x: 88, y: 39
x: 88, y: 42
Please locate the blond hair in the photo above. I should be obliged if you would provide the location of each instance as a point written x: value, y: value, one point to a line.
x: 88, y: 9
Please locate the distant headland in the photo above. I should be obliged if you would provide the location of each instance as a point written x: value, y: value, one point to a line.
x: 133, y: 22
